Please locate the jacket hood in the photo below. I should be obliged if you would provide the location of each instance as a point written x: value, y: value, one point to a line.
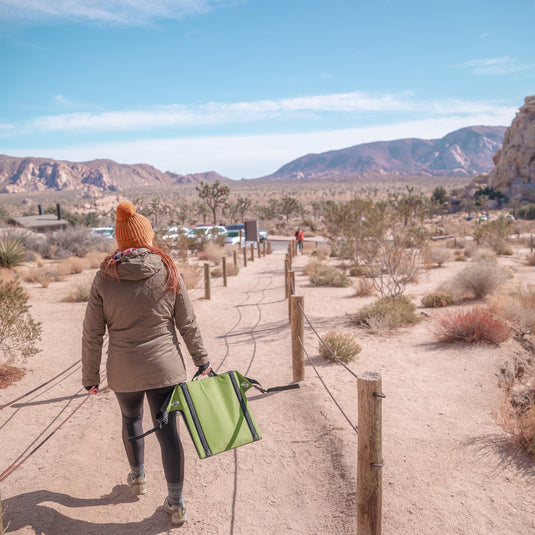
x: 138, y: 265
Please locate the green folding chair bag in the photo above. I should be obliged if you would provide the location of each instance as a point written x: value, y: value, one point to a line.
x: 216, y: 412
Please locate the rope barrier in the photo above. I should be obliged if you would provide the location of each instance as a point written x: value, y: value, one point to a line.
x: 354, y: 427
x: 326, y: 346
x: 40, y: 386
x: 14, y: 466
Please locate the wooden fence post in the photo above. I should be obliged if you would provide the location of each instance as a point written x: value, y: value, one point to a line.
x: 244, y: 257
x: 298, y: 330
x: 269, y: 249
x: 370, y: 456
x: 286, y: 269
x: 235, y: 257
x: 264, y: 248
x: 207, y: 289
x: 290, y: 281
x: 252, y: 252
x: 224, y: 268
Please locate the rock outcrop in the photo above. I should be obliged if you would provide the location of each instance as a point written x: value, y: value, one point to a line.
x: 514, y: 171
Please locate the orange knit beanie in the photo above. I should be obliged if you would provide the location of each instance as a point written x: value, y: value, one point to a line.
x: 131, y: 229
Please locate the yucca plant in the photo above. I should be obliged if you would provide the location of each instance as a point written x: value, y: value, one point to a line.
x: 12, y: 253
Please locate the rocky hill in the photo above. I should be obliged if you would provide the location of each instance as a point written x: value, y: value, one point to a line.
x: 465, y: 152
x: 514, y: 174
x: 39, y: 174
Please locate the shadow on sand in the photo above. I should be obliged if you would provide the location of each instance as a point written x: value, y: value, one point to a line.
x: 28, y: 510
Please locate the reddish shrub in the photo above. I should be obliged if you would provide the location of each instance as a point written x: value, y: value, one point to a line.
x: 472, y: 325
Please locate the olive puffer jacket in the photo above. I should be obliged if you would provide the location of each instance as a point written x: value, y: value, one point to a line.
x: 140, y: 315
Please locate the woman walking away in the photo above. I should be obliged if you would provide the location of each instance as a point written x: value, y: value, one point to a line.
x: 139, y: 296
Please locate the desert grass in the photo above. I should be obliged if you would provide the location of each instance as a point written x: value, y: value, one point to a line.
x: 343, y: 345
x: 437, y: 299
x: 78, y: 294
x: 387, y: 313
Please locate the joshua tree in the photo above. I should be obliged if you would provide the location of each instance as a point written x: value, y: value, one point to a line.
x: 214, y: 195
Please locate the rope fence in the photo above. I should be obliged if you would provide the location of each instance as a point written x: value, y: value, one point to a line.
x: 369, y: 393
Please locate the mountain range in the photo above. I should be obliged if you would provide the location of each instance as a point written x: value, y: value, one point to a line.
x: 465, y: 152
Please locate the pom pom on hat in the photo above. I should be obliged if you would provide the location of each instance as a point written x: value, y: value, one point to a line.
x: 132, y: 230
x: 125, y: 210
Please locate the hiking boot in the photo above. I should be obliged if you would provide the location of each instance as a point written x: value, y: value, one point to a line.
x: 176, y: 510
x: 138, y: 484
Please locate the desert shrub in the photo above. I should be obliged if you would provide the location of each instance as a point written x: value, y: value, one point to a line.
x: 44, y: 275
x: 387, y: 313
x: 472, y: 325
x: 518, y: 309
x: 190, y: 274
x: 518, y: 419
x: 437, y: 255
x: 79, y: 294
x: 479, y: 279
x: 74, y: 241
x: 18, y: 330
x: 312, y: 267
x: 437, y: 299
x: 530, y: 259
x: 12, y: 253
x: 343, y: 345
x: 364, y: 288
x: 460, y: 257
x: 212, y: 252
x: 329, y: 276
x: 232, y: 269
x: 72, y: 265
x: 322, y: 253
x: 496, y: 235
x: 357, y: 271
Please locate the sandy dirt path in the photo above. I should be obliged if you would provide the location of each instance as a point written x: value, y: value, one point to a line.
x: 449, y: 469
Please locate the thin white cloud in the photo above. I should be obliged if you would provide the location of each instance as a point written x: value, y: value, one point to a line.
x: 258, y: 155
x: 128, y: 12
x: 497, y: 66
x: 214, y: 113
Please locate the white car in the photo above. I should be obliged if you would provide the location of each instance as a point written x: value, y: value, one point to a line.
x: 233, y: 238
x: 105, y: 232
x: 208, y: 232
x: 174, y: 233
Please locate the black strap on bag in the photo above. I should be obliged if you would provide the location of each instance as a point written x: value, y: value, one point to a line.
x: 255, y: 383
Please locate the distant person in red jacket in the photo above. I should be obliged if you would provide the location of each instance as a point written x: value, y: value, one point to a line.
x: 300, y: 236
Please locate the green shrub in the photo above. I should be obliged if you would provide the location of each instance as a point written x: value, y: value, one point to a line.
x: 387, y: 313
x: 437, y: 299
x: 343, y: 345
x: 12, y: 253
x: 329, y: 276
x: 18, y: 330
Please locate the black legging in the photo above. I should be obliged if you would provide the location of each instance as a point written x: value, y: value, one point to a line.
x: 131, y: 405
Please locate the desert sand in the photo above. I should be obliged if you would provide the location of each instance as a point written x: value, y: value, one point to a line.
x: 448, y: 467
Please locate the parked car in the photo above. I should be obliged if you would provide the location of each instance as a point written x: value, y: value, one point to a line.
x: 206, y: 232
x: 106, y: 232
x: 233, y: 238
x: 262, y: 234
x: 175, y: 233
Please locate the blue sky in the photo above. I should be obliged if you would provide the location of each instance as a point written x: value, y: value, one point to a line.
x: 242, y: 87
